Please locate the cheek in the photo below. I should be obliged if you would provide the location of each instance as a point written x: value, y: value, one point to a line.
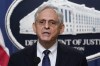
x: 55, y: 30
x: 38, y: 29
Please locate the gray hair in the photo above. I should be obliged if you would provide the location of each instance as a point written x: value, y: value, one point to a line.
x: 45, y: 6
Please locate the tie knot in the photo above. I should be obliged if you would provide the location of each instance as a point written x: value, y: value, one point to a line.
x: 46, y: 52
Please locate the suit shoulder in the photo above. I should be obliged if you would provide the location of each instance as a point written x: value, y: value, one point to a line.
x: 72, y: 55
x: 23, y: 52
x: 22, y: 57
x: 70, y: 50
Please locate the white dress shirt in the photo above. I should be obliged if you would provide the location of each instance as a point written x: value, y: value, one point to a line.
x: 52, y: 54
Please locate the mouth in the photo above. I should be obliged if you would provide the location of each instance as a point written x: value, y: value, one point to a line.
x: 46, y: 33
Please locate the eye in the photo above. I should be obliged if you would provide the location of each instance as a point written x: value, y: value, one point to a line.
x: 42, y: 21
x: 52, y: 22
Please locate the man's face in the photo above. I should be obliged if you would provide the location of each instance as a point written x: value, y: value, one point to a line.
x: 47, y: 25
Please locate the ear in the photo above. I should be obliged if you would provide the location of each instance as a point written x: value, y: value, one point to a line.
x: 34, y: 27
x: 62, y: 28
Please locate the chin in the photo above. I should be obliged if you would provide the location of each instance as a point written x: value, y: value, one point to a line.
x: 47, y: 39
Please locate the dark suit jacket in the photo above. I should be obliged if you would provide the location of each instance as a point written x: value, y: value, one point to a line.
x: 66, y: 56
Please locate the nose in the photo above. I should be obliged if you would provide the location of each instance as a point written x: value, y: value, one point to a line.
x: 46, y: 25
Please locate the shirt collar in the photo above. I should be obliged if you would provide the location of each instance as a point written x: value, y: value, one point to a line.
x: 40, y: 48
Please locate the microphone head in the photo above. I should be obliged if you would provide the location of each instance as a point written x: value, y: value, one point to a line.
x: 37, y: 60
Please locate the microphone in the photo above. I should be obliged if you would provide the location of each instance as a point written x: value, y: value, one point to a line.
x: 36, y: 61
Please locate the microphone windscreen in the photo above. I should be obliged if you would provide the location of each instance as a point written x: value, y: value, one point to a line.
x: 36, y: 60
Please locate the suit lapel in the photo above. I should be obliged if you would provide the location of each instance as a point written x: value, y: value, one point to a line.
x: 32, y: 54
x: 61, y: 56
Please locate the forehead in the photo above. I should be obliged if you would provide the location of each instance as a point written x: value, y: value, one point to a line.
x: 48, y: 13
x: 48, y: 9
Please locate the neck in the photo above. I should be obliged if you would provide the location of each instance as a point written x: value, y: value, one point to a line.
x: 47, y: 44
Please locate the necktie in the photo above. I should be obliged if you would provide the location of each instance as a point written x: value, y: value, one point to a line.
x: 46, y: 60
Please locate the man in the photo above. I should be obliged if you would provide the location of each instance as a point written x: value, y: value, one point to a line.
x: 48, y: 25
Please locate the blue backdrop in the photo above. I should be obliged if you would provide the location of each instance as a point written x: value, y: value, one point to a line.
x: 4, y: 4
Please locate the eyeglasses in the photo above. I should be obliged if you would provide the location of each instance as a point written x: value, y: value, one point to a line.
x: 50, y: 22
